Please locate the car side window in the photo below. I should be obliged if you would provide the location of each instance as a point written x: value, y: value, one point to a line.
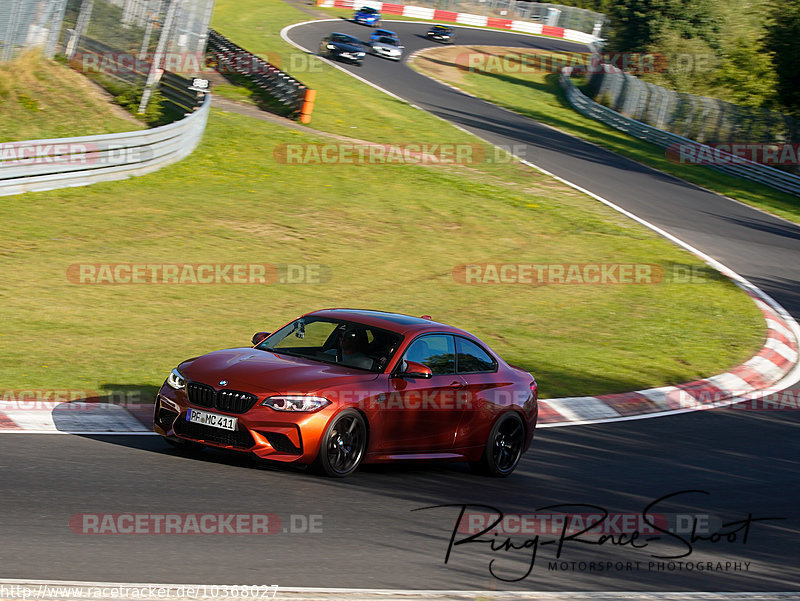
x: 472, y: 358
x: 435, y: 351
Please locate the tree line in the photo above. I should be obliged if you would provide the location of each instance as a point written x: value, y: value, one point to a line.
x: 743, y: 51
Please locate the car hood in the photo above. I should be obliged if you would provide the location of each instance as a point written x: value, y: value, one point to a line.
x: 385, y: 46
x: 262, y: 371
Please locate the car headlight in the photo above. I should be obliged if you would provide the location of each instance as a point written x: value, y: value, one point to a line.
x: 175, y: 379
x: 296, y: 403
x: 331, y: 47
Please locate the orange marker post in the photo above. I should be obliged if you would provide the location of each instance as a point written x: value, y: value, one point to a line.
x: 308, y: 106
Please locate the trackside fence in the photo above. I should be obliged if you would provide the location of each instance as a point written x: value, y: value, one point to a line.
x: 271, y: 81
x: 724, y: 162
x: 37, y: 165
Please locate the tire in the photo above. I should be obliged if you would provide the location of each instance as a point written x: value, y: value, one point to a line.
x: 503, y: 447
x: 343, y: 445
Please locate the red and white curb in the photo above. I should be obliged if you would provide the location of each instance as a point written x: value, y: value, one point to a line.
x: 447, y: 16
x: 757, y: 382
x: 35, y: 412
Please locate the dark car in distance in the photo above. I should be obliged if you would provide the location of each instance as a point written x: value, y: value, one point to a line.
x: 441, y: 33
x: 343, y: 47
x: 338, y: 387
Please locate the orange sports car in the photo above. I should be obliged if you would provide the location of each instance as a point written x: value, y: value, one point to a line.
x: 337, y: 387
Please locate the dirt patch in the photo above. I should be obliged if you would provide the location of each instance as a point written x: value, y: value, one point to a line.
x: 440, y: 63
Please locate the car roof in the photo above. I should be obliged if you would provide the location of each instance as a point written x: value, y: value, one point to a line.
x: 396, y: 322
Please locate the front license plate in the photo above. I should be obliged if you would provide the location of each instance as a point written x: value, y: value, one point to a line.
x: 215, y: 420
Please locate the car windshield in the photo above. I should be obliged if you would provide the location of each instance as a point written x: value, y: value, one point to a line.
x: 368, y: 11
x: 389, y: 41
x: 335, y: 341
x: 440, y: 29
x: 344, y: 39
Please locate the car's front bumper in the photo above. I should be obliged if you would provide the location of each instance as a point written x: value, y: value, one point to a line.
x: 390, y: 55
x: 277, y: 435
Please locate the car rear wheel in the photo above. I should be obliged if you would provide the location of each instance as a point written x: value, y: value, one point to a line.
x: 503, y: 447
x: 343, y: 445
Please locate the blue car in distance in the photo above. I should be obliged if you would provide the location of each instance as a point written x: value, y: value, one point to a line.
x: 383, y: 33
x: 367, y: 16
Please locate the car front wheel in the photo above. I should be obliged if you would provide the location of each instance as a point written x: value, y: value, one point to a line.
x: 343, y: 445
x: 503, y: 447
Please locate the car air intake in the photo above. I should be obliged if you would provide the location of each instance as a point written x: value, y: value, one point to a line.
x: 281, y: 443
x: 165, y: 418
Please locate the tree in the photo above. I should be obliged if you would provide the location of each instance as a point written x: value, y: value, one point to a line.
x: 782, y: 39
x: 638, y: 24
x: 746, y: 73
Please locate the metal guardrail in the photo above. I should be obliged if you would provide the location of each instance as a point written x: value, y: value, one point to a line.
x: 230, y: 58
x: 37, y: 165
x: 726, y: 162
x: 179, y: 91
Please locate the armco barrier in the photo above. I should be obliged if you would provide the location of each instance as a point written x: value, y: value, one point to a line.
x: 727, y: 163
x: 38, y: 165
x: 281, y: 86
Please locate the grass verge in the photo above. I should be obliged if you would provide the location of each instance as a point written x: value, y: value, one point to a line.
x: 43, y: 99
x: 388, y: 235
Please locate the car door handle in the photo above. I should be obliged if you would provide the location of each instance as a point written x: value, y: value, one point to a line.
x: 457, y: 384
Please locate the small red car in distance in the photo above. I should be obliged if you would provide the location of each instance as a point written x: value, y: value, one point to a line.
x: 337, y: 387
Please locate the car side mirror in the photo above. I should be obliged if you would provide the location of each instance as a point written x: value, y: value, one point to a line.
x: 258, y: 337
x: 416, y: 370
